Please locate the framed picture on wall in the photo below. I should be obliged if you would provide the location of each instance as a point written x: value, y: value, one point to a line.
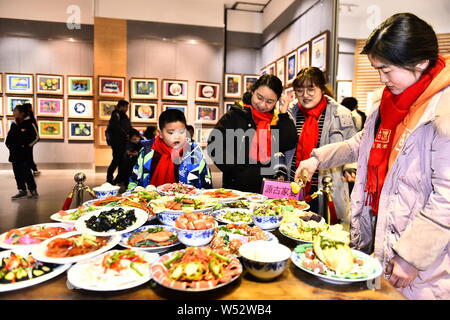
x: 271, y: 68
x: 12, y: 102
x: 80, y: 130
x: 101, y: 136
x: 1, y: 106
x: 2, y: 135
x: 19, y: 83
x: 50, y: 107
x: 291, y: 67
x: 175, y: 90
x: 206, y: 114
x: 49, y: 84
x: 233, y: 85
x: 80, y: 86
x: 182, y: 107
x: 207, y: 91
x: 264, y: 71
x: 80, y: 108
x: 202, y: 134
x: 144, y: 112
x: 227, y: 105
x: 105, y: 109
x: 249, y: 81
x: 143, y: 88
x: 303, y: 56
x: 51, y: 129
x: 281, y: 70
x: 1, y: 82
x: 319, y: 51
x: 344, y: 89
x: 111, y: 87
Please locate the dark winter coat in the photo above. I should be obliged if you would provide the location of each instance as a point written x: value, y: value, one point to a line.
x: 21, y: 137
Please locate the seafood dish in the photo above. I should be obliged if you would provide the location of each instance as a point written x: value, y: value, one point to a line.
x: 151, y: 237
x: 195, y: 269
x: 229, y: 238
x: 75, y: 245
x: 222, y: 193
x: 117, y: 219
x: 173, y: 189
x: 113, y: 270
x: 288, y: 204
x: 195, y: 221
x: 137, y: 199
x: 32, y: 235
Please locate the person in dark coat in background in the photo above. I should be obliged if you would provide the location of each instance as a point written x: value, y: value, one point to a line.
x: 359, y: 117
x: 246, y: 141
x: 21, y: 137
x: 32, y: 164
x: 117, y: 136
x: 151, y: 132
x: 129, y: 159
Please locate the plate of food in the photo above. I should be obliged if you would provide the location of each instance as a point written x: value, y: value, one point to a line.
x: 184, y: 203
x: 71, y: 215
x: 195, y: 269
x: 73, y: 247
x: 303, y: 226
x: 32, y: 235
x: 19, y: 269
x: 223, y: 194
x: 151, y: 238
x: 228, y: 239
x: 237, y: 204
x: 111, y: 221
x: 233, y: 216
x: 112, y: 271
x: 174, y: 189
x: 331, y: 260
x: 288, y: 204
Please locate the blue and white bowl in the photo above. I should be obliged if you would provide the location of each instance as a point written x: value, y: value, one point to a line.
x: 195, y: 238
x: 101, y: 194
x: 265, y: 260
x: 269, y: 223
x: 168, y: 218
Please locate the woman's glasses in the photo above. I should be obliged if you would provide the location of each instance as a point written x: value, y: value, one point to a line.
x: 261, y: 99
x: 301, y: 91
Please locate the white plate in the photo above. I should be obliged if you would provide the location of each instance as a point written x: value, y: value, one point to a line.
x: 79, y: 275
x: 57, y: 217
x: 256, y: 198
x: 5, y: 245
x: 292, y: 238
x: 31, y: 282
x: 124, y: 239
x: 158, y: 280
x: 241, y: 195
x: 39, y: 252
x: 173, y: 193
x: 374, y: 265
x: 141, y: 218
x: 218, y: 215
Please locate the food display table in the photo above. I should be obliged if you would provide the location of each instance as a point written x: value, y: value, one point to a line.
x: 293, y: 284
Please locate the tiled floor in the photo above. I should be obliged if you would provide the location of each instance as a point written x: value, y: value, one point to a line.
x: 53, y: 186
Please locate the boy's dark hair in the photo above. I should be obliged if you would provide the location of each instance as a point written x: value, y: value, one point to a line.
x: 122, y: 103
x: 169, y: 116
x: 134, y: 133
x: 403, y: 40
x: 350, y: 103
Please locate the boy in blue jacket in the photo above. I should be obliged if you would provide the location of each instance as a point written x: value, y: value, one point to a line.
x: 171, y: 157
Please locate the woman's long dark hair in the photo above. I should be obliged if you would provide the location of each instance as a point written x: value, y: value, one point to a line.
x: 269, y: 80
x: 403, y: 40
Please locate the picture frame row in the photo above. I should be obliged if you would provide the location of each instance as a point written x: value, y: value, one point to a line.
x: 140, y: 111
x: 312, y: 53
x: 108, y: 87
x: 236, y: 84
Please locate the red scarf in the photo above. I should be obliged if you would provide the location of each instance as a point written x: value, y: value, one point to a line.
x: 309, y: 136
x: 165, y: 169
x: 393, y: 109
x: 261, y: 146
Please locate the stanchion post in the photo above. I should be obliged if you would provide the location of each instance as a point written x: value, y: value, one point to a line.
x: 327, y: 181
x: 79, y: 178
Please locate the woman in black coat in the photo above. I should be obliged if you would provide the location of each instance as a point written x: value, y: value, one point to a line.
x: 247, y: 140
x: 21, y: 137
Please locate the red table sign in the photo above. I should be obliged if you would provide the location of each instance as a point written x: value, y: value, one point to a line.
x: 275, y: 189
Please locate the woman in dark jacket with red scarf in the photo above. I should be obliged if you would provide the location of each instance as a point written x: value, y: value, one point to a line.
x: 246, y: 141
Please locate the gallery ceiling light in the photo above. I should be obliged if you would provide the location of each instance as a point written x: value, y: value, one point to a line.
x: 250, y: 6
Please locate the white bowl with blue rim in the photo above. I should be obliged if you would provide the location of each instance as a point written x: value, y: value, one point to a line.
x: 265, y: 260
x: 268, y: 223
x: 102, y: 192
x: 196, y: 238
x: 168, y: 217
